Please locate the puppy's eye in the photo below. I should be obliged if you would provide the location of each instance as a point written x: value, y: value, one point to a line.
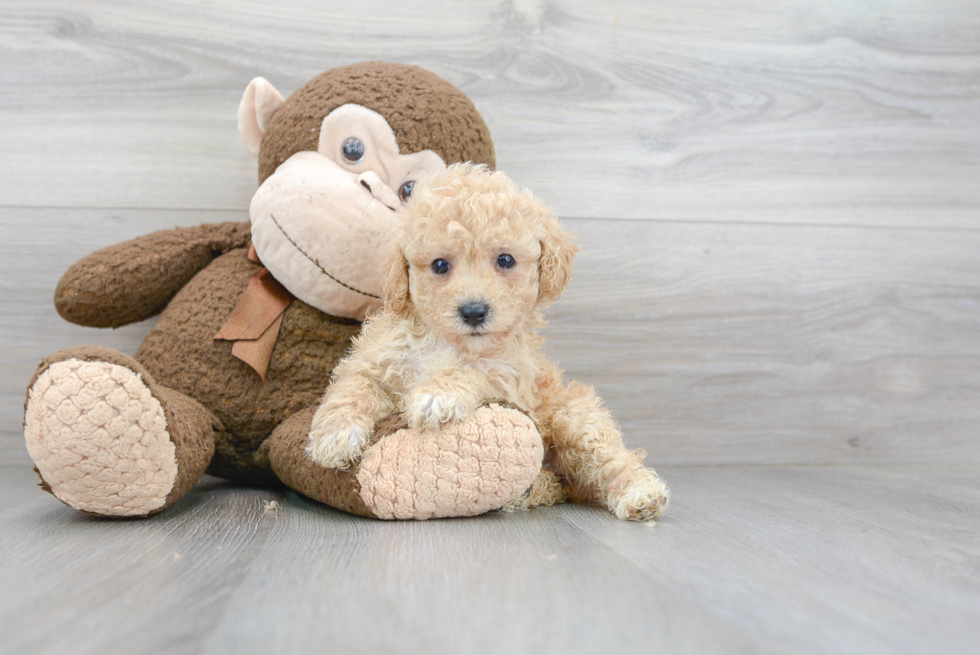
x: 506, y: 261
x: 353, y: 150
x: 405, y: 190
x: 440, y: 267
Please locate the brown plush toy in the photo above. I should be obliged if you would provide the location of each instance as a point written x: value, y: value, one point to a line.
x: 254, y: 316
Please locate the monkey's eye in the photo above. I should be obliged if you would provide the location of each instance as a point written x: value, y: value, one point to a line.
x: 506, y: 261
x: 440, y: 267
x: 405, y: 190
x: 353, y: 150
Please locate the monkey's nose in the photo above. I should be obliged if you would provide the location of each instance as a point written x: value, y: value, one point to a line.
x: 474, y: 313
x: 373, y: 183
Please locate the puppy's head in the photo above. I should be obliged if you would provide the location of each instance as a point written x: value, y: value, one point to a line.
x: 476, y: 258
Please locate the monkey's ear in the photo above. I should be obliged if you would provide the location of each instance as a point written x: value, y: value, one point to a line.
x: 259, y: 103
x: 555, y: 266
x: 397, y: 296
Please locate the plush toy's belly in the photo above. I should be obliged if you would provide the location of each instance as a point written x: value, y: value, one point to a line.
x: 181, y: 353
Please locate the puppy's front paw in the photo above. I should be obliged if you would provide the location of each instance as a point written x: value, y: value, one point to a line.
x: 641, y: 496
x: 335, y: 444
x: 432, y: 409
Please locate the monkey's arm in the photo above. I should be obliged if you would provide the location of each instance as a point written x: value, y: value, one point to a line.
x: 132, y: 281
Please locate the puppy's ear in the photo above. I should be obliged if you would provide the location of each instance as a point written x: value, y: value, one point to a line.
x: 555, y: 266
x: 397, y: 297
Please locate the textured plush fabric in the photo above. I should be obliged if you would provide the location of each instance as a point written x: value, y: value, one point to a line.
x: 194, y: 431
x: 425, y: 111
x: 132, y: 281
x: 107, y: 439
x: 99, y: 438
x: 182, y: 354
x: 463, y: 469
x: 286, y: 451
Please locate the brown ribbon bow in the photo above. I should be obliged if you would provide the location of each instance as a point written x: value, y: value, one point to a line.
x: 254, y: 324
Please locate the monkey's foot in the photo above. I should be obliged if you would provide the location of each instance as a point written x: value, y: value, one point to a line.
x: 107, y: 439
x: 99, y: 438
x: 459, y: 469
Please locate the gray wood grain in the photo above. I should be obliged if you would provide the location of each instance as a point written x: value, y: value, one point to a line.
x: 712, y: 343
x: 803, y: 113
x: 842, y: 560
x: 761, y: 344
x: 748, y: 560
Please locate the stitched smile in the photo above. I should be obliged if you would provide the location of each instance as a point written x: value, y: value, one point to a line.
x: 316, y: 263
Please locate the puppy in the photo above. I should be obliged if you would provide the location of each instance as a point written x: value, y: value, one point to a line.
x: 476, y: 261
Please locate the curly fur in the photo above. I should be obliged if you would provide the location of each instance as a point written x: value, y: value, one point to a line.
x: 419, y: 357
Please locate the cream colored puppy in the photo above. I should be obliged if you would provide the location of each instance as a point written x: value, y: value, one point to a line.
x: 476, y: 261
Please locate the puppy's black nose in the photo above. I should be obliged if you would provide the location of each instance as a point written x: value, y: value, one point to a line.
x: 474, y: 313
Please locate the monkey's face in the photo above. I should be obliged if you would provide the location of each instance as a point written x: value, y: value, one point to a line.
x: 334, y: 177
x: 321, y: 219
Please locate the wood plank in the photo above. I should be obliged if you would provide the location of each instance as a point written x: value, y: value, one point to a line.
x: 837, y: 560
x: 712, y: 343
x: 220, y: 573
x: 809, y: 113
x: 760, y: 344
x: 748, y: 560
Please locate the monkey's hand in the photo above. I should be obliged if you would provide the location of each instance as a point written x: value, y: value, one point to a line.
x: 134, y: 280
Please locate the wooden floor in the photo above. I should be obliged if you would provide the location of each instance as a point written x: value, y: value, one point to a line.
x: 749, y: 560
x: 778, y: 296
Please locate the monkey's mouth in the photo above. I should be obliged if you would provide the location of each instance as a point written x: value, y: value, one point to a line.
x: 320, y: 233
x: 316, y: 262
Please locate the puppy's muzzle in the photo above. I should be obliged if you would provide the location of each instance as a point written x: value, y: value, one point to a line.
x: 474, y: 314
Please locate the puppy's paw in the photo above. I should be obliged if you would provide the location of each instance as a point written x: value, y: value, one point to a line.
x: 546, y: 490
x: 334, y: 444
x: 429, y: 410
x: 641, y: 496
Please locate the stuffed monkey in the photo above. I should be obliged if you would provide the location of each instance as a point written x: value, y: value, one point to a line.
x: 254, y: 316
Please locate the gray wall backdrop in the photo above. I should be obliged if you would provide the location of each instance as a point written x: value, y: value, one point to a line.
x: 779, y: 208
